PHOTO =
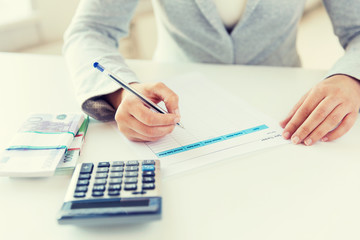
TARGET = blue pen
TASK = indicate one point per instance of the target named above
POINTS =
(127, 87)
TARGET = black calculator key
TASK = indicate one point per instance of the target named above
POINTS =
(99, 188)
(117, 169)
(84, 176)
(131, 174)
(148, 186)
(79, 194)
(130, 187)
(101, 175)
(102, 170)
(148, 162)
(148, 174)
(84, 182)
(132, 163)
(116, 175)
(148, 180)
(101, 181)
(131, 180)
(103, 164)
(115, 181)
(115, 187)
(86, 168)
(114, 193)
(132, 169)
(148, 168)
(97, 193)
(81, 189)
(118, 164)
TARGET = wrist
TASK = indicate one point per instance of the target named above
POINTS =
(114, 98)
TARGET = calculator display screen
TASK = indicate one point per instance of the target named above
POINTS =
(111, 204)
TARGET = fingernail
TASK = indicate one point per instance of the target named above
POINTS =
(324, 139)
(295, 140)
(308, 142)
(177, 120)
(286, 135)
(177, 112)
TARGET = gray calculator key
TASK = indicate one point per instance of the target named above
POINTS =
(148, 186)
(103, 164)
(79, 194)
(102, 170)
(132, 169)
(118, 164)
(84, 176)
(84, 182)
(99, 188)
(86, 168)
(81, 189)
(117, 169)
(131, 180)
(148, 162)
(148, 180)
(131, 174)
(97, 193)
(132, 163)
(101, 175)
(114, 193)
(116, 175)
(115, 181)
(115, 187)
(101, 181)
(130, 187)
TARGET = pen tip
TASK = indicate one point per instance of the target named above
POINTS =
(180, 125)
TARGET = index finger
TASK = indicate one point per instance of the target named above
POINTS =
(162, 93)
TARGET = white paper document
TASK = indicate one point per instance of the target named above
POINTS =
(218, 125)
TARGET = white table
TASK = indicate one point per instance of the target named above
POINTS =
(287, 192)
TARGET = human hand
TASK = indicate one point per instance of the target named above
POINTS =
(139, 123)
(326, 112)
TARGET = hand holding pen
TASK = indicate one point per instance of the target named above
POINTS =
(133, 103)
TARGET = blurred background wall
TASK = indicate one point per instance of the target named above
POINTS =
(37, 26)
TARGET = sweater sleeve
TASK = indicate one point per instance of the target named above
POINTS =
(93, 36)
(345, 17)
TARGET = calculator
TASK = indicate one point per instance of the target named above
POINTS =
(113, 192)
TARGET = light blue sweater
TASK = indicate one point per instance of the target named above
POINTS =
(192, 30)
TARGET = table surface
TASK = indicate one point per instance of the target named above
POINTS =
(285, 192)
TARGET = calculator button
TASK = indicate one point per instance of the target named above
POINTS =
(148, 162)
(116, 175)
(83, 182)
(86, 168)
(102, 170)
(132, 163)
(115, 187)
(79, 194)
(148, 168)
(148, 180)
(141, 192)
(81, 189)
(114, 193)
(97, 194)
(99, 188)
(118, 164)
(100, 181)
(130, 187)
(148, 174)
(117, 169)
(148, 186)
(132, 169)
(131, 180)
(101, 175)
(131, 174)
(103, 164)
(84, 176)
(115, 181)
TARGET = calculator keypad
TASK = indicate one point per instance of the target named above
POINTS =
(117, 178)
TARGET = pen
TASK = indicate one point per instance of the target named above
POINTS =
(127, 87)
